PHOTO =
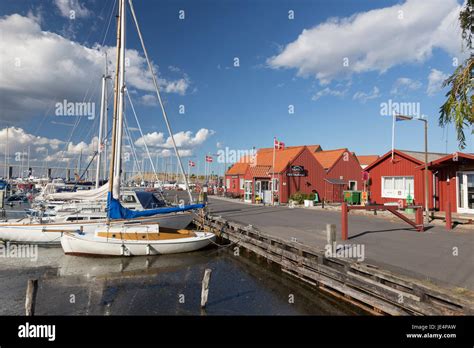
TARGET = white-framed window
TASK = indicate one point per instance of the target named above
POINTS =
(227, 183)
(352, 185)
(241, 184)
(276, 183)
(398, 186)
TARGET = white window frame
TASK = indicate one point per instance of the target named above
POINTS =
(394, 193)
(227, 183)
(354, 181)
(275, 182)
(241, 183)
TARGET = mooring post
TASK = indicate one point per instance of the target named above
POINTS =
(344, 220)
(331, 234)
(419, 219)
(449, 221)
(205, 287)
(30, 301)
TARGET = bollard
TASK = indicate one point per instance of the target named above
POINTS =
(449, 220)
(30, 302)
(331, 233)
(205, 287)
(344, 220)
(419, 219)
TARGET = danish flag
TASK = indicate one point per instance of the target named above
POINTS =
(191, 164)
(278, 144)
(208, 158)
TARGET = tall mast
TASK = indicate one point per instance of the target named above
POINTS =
(7, 172)
(106, 110)
(100, 141)
(114, 122)
(120, 104)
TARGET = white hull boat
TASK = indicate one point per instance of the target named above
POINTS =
(26, 231)
(138, 240)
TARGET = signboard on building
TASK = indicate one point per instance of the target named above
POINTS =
(297, 171)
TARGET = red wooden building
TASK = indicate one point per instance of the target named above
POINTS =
(296, 170)
(392, 180)
(454, 182)
(235, 179)
(343, 172)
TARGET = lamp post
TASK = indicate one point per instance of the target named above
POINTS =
(423, 119)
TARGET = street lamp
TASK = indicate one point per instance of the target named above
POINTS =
(423, 118)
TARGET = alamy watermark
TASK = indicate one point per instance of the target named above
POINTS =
(20, 251)
(228, 155)
(345, 251)
(66, 108)
(391, 108)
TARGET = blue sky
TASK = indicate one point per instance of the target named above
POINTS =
(281, 64)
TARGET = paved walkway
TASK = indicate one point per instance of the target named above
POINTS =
(395, 246)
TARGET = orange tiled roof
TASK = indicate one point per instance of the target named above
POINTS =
(312, 148)
(282, 157)
(328, 158)
(238, 168)
(367, 159)
(260, 171)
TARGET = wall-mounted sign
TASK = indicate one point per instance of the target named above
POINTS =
(297, 171)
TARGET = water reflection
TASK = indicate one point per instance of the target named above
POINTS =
(163, 285)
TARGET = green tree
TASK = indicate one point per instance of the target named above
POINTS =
(459, 105)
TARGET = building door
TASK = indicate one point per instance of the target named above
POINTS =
(248, 191)
(266, 191)
(465, 192)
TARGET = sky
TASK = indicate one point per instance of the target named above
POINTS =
(233, 75)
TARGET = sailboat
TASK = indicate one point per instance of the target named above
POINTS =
(44, 231)
(124, 239)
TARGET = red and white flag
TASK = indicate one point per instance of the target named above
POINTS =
(191, 164)
(208, 158)
(279, 145)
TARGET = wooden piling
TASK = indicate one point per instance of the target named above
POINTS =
(331, 233)
(449, 220)
(205, 287)
(344, 222)
(30, 302)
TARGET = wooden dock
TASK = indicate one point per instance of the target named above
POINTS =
(377, 291)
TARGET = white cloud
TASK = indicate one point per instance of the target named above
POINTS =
(19, 140)
(363, 96)
(404, 84)
(151, 139)
(328, 91)
(185, 141)
(69, 8)
(435, 81)
(30, 84)
(42, 148)
(375, 40)
(148, 99)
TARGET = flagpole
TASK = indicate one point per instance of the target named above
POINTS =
(393, 136)
(273, 170)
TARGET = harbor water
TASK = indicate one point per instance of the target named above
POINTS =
(159, 285)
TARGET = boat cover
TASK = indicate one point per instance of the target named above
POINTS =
(116, 211)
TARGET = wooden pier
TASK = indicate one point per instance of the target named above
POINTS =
(377, 291)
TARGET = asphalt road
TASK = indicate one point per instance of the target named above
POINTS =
(429, 255)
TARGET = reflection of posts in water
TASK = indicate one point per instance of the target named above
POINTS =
(205, 287)
(30, 302)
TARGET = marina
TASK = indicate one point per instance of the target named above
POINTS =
(197, 171)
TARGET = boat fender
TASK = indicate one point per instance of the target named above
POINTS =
(148, 249)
